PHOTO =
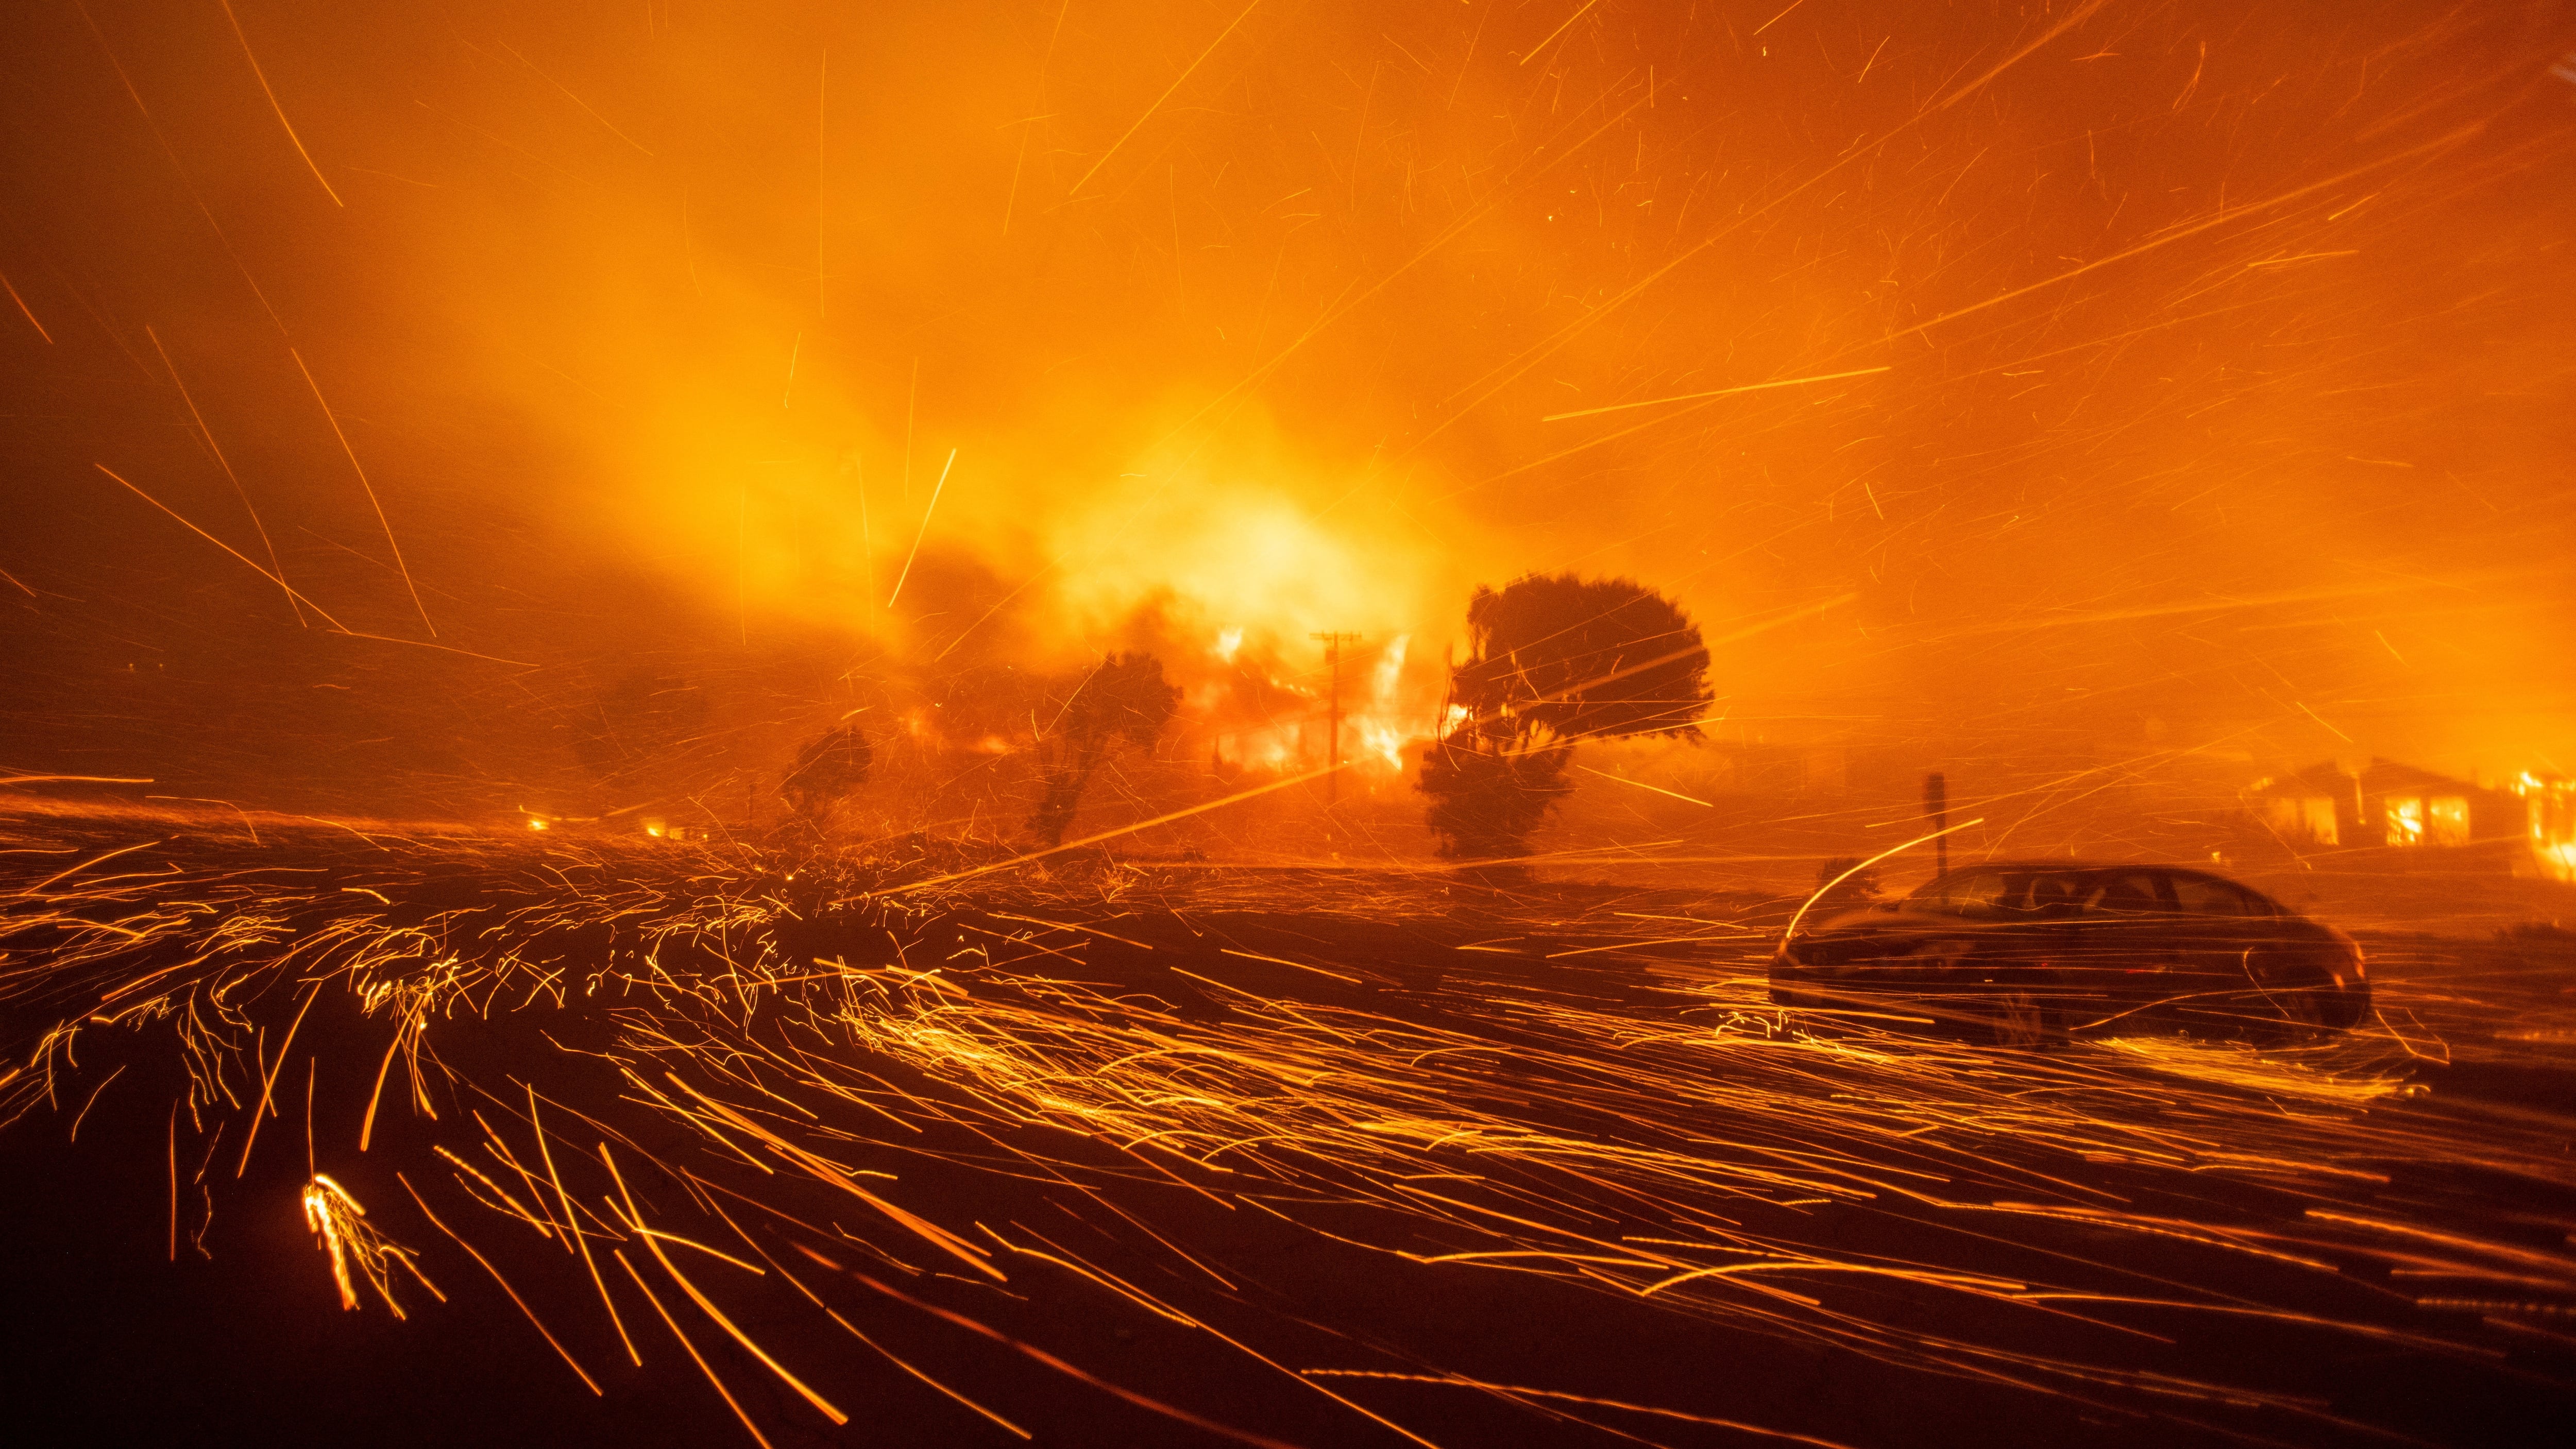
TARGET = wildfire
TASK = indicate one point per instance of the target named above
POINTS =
(2552, 803)
(1383, 710)
(1045, 586)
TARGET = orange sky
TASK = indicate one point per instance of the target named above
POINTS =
(2211, 370)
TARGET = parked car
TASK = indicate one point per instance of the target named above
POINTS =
(2030, 951)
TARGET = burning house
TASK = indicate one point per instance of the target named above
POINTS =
(2386, 805)
(2550, 805)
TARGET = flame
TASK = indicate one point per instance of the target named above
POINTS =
(1385, 705)
(2551, 807)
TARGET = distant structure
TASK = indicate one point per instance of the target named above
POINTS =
(2551, 805)
(2399, 807)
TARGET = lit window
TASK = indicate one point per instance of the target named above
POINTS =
(2309, 818)
(2552, 804)
(2447, 820)
(2406, 820)
(2319, 818)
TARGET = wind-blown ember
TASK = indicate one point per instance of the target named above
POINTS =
(816, 1093)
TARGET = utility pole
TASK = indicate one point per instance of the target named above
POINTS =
(1333, 659)
(1936, 806)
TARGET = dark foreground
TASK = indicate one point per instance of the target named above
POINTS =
(1144, 1155)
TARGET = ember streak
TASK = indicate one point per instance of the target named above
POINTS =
(1093, 722)
(659, 1094)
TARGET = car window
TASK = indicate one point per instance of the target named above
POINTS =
(2057, 891)
(2202, 896)
(1979, 894)
(2124, 893)
(1974, 893)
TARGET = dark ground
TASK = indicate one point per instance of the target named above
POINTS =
(109, 1342)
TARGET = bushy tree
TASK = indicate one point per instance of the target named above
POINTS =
(1486, 795)
(831, 767)
(1552, 660)
(1124, 699)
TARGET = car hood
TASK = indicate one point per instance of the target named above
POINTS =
(1875, 920)
(1866, 923)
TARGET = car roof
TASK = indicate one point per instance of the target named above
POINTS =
(2033, 867)
(2086, 867)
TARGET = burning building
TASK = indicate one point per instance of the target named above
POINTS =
(2386, 805)
(2551, 808)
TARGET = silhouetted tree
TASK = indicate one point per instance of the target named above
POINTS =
(1123, 699)
(831, 767)
(1553, 660)
(1861, 889)
(1486, 796)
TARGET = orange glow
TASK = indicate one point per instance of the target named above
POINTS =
(2552, 806)
(2132, 432)
(695, 354)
